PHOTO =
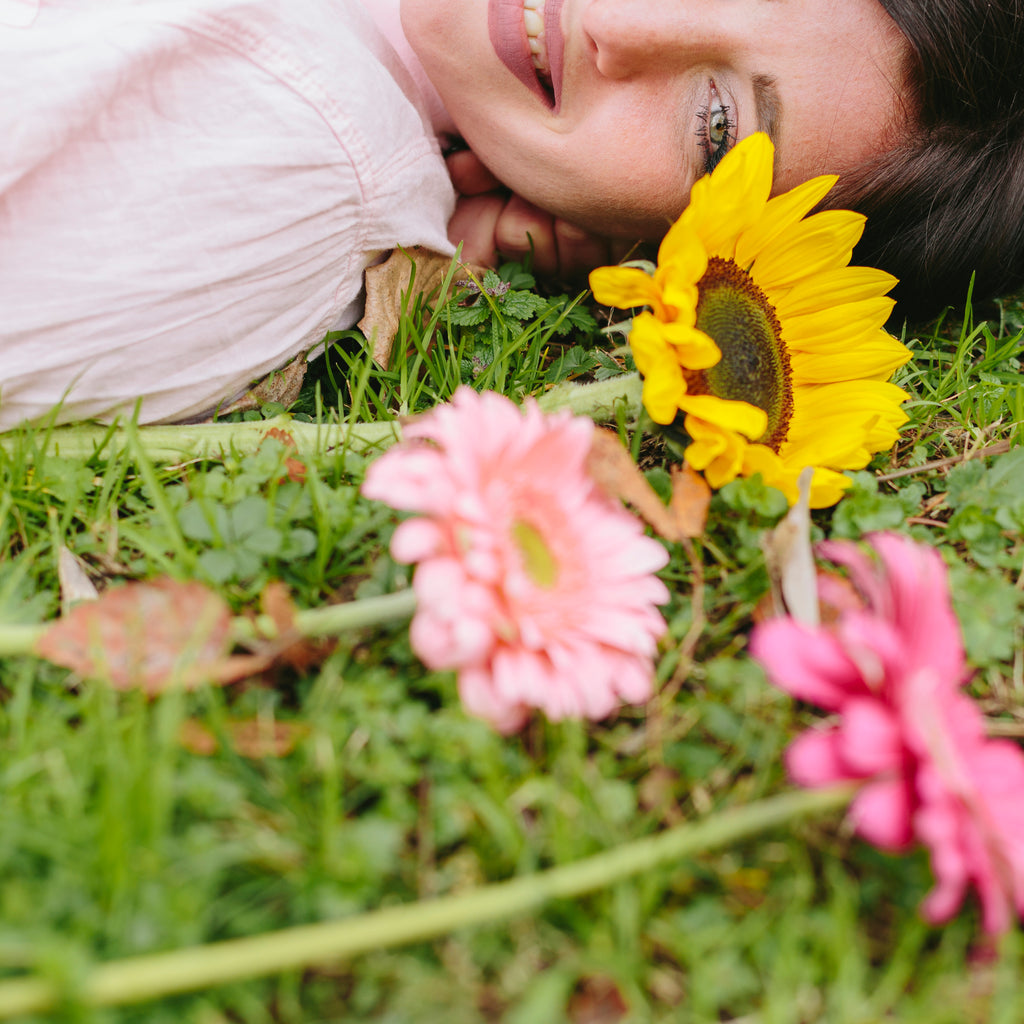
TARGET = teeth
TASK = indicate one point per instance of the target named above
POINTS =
(533, 18)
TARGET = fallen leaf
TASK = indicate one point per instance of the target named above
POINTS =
(690, 501)
(790, 560)
(282, 386)
(657, 793)
(146, 635)
(75, 585)
(597, 1000)
(289, 647)
(251, 738)
(276, 602)
(615, 472)
(296, 468)
(395, 285)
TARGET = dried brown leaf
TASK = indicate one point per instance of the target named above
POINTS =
(289, 647)
(691, 499)
(296, 468)
(790, 560)
(251, 738)
(393, 283)
(282, 386)
(598, 1000)
(75, 585)
(277, 603)
(615, 472)
(149, 635)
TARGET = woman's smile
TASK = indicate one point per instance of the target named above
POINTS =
(527, 37)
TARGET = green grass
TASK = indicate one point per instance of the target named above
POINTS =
(117, 840)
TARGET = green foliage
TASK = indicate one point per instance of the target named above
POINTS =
(867, 508)
(498, 334)
(116, 838)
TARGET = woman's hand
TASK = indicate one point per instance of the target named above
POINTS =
(490, 221)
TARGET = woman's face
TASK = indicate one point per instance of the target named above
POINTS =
(630, 101)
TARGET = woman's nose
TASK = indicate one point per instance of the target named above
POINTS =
(630, 37)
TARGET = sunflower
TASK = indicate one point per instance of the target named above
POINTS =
(760, 333)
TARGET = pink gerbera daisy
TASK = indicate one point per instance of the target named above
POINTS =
(892, 666)
(531, 583)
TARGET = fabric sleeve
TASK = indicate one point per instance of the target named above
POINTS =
(192, 194)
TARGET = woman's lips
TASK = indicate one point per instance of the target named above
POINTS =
(555, 47)
(506, 22)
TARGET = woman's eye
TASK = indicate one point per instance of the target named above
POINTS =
(715, 130)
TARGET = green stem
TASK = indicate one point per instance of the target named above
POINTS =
(597, 400)
(184, 443)
(214, 440)
(335, 619)
(186, 970)
(19, 640)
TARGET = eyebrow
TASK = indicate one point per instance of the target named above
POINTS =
(768, 106)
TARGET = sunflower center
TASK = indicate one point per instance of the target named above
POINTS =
(538, 561)
(754, 366)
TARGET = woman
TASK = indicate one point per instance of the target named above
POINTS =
(190, 190)
(920, 107)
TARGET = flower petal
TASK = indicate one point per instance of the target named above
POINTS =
(625, 288)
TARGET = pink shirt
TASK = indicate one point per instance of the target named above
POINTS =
(190, 191)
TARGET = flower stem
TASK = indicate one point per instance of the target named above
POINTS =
(597, 400)
(332, 619)
(185, 442)
(19, 640)
(164, 974)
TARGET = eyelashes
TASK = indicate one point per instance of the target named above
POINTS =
(716, 130)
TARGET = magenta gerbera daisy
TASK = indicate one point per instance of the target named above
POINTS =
(891, 666)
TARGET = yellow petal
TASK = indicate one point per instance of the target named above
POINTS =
(694, 349)
(726, 203)
(656, 360)
(779, 214)
(841, 425)
(742, 417)
(835, 329)
(625, 288)
(717, 453)
(834, 288)
(820, 243)
(827, 487)
(877, 359)
(840, 399)
(680, 298)
(682, 255)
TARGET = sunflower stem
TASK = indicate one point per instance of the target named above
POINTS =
(597, 400)
(186, 970)
(185, 442)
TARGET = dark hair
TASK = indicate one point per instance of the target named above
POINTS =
(948, 200)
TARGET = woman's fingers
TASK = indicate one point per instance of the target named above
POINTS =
(523, 227)
(490, 224)
(468, 174)
(473, 225)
